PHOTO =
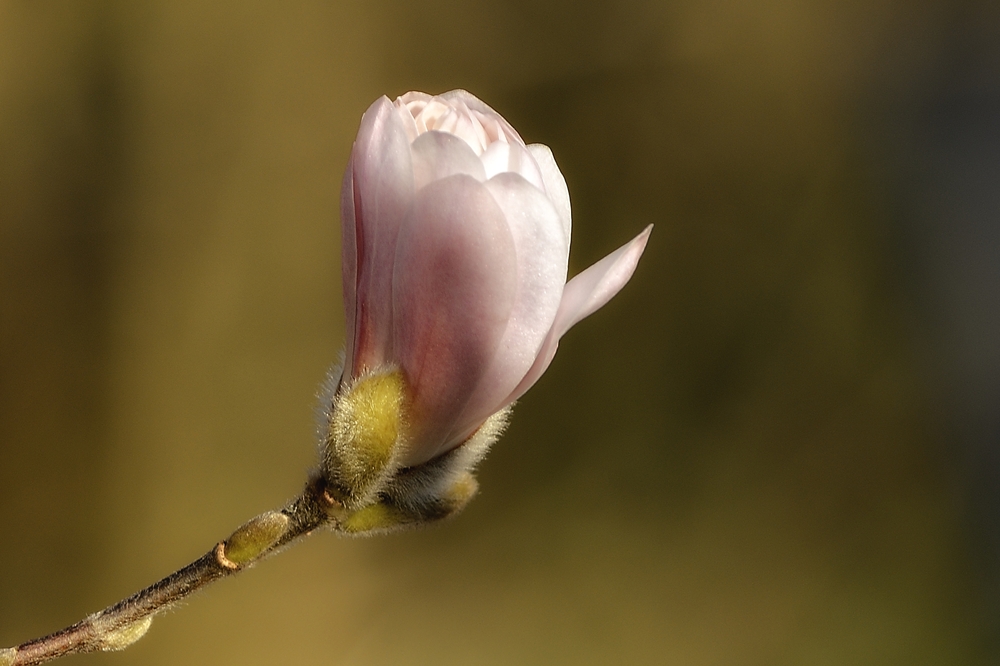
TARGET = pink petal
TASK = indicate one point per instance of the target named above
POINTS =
(437, 155)
(409, 124)
(501, 157)
(465, 124)
(542, 251)
(453, 290)
(496, 158)
(476, 104)
(584, 295)
(555, 184)
(382, 196)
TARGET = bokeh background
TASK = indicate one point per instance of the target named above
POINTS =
(780, 444)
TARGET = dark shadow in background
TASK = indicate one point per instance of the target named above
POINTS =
(939, 138)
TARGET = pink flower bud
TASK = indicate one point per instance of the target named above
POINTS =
(456, 241)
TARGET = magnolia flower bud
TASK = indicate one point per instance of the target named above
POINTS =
(455, 247)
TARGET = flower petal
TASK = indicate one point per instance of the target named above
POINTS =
(555, 184)
(475, 104)
(382, 196)
(496, 158)
(584, 295)
(542, 252)
(501, 157)
(454, 287)
(437, 155)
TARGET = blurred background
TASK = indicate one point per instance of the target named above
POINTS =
(780, 444)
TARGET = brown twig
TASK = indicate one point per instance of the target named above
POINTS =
(118, 626)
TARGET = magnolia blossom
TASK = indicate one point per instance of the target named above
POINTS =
(456, 239)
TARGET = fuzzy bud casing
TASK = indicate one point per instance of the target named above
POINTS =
(364, 436)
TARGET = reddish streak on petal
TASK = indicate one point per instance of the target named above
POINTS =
(453, 291)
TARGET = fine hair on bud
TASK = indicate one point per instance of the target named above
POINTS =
(120, 638)
(325, 398)
(254, 538)
(364, 436)
(434, 490)
(443, 486)
(386, 516)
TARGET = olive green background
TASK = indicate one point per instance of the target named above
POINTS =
(738, 461)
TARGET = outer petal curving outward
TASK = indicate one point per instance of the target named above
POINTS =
(584, 295)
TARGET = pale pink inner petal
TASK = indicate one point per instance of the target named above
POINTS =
(555, 184)
(502, 157)
(584, 295)
(437, 155)
(471, 129)
(521, 162)
(496, 159)
(542, 254)
(494, 131)
(454, 287)
(480, 107)
(409, 124)
(383, 194)
(446, 122)
(460, 123)
(414, 98)
(428, 114)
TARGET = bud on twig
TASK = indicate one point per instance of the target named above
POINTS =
(122, 637)
(252, 539)
(364, 438)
